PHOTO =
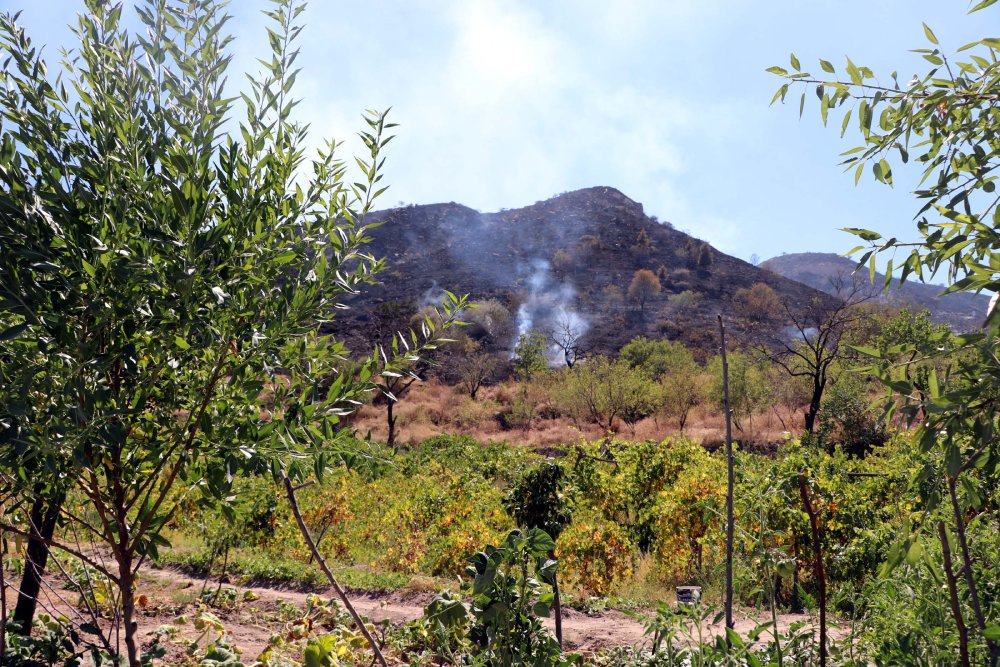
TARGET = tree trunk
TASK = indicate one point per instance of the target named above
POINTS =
(556, 601)
(956, 607)
(814, 403)
(390, 439)
(126, 585)
(968, 570)
(817, 567)
(304, 530)
(43, 518)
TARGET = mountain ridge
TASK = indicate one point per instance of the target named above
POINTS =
(962, 311)
(571, 255)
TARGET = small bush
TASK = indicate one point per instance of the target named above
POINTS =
(595, 556)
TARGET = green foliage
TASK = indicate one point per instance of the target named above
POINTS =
(947, 117)
(167, 266)
(603, 391)
(54, 642)
(596, 556)
(673, 366)
(624, 480)
(511, 588)
(848, 419)
(748, 386)
(530, 354)
(539, 499)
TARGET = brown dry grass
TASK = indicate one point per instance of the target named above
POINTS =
(432, 408)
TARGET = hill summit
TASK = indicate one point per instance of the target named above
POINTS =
(566, 261)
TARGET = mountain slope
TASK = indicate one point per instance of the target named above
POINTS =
(962, 311)
(569, 258)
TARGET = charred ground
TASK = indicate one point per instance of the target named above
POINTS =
(573, 255)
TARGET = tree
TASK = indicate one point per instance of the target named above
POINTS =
(673, 367)
(757, 305)
(644, 286)
(947, 116)
(475, 367)
(604, 391)
(540, 499)
(529, 354)
(160, 278)
(565, 335)
(747, 387)
(704, 256)
(819, 341)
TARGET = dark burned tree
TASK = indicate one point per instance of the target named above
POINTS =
(566, 334)
(815, 340)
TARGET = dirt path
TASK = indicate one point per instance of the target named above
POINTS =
(581, 631)
(251, 624)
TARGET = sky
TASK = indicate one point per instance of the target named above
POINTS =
(504, 103)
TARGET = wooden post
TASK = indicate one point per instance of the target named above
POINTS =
(730, 516)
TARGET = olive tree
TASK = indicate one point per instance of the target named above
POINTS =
(945, 121)
(164, 276)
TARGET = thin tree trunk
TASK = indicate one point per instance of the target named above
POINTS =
(730, 516)
(290, 494)
(956, 607)
(390, 439)
(556, 601)
(43, 517)
(126, 584)
(968, 570)
(3, 598)
(817, 567)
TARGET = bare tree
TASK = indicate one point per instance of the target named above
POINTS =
(814, 341)
(565, 334)
(474, 367)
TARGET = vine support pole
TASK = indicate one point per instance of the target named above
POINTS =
(290, 494)
(730, 515)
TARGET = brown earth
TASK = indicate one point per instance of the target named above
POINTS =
(170, 594)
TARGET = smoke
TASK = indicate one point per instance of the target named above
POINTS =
(432, 296)
(549, 307)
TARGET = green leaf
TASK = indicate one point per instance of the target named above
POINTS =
(795, 63)
(827, 66)
(992, 632)
(780, 71)
(982, 5)
(181, 343)
(865, 234)
(930, 33)
(914, 553)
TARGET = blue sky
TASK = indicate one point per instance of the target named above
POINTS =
(503, 103)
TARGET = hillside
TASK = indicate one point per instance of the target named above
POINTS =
(962, 311)
(569, 259)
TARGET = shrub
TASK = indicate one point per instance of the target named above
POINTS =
(595, 555)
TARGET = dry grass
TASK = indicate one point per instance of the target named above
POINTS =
(433, 408)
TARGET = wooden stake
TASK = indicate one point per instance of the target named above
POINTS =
(730, 516)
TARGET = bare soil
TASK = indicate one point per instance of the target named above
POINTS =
(169, 594)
